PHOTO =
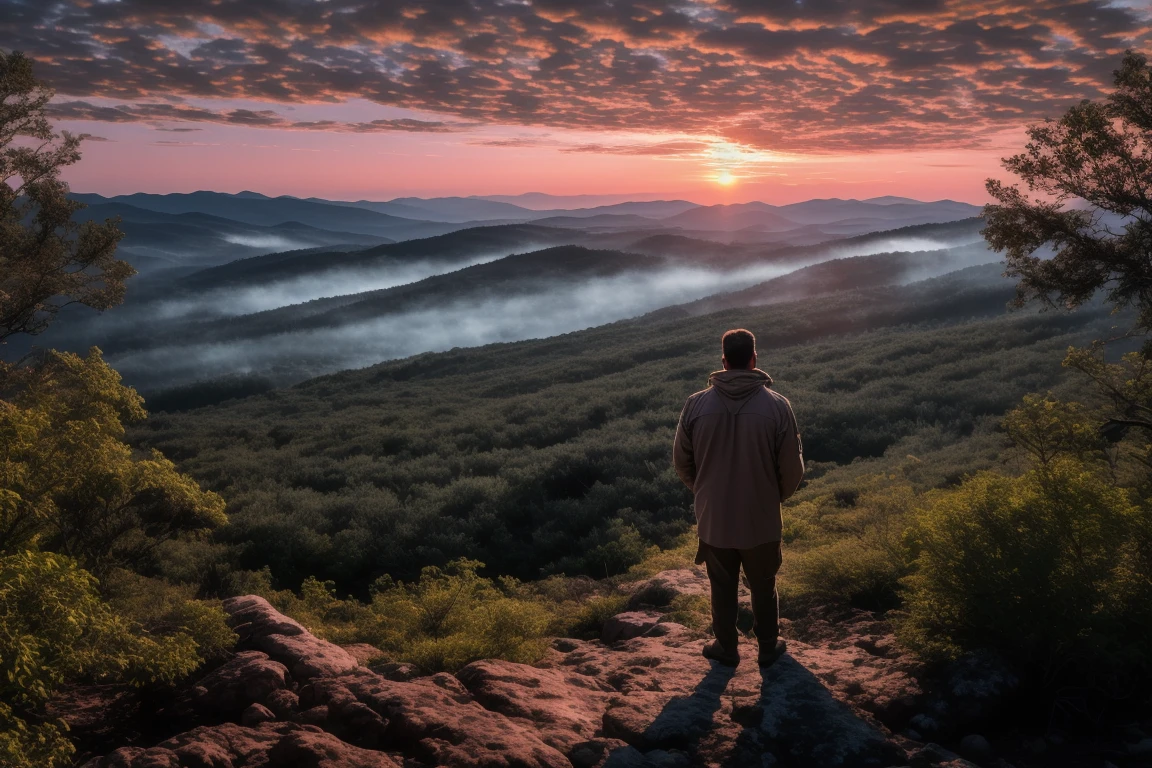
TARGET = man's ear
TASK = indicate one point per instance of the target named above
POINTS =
(724, 362)
(752, 363)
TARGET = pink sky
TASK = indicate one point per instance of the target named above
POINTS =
(709, 100)
(381, 166)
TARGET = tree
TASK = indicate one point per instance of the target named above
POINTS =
(47, 260)
(1099, 153)
(73, 496)
(1051, 569)
(68, 482)
(1093, 168)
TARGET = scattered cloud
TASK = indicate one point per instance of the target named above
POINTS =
(820, 75)
(512, 142)
(659, 149)
(183, 144)
(94, 137)
(157, 113)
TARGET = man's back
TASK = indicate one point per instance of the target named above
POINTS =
(738, 449)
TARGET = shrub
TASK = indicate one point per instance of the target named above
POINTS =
(587, 621)
(55, 628)
(1050, 568)
(447, 618)
(859, 553)
(71, 484)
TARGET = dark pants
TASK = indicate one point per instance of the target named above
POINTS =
(760, 566)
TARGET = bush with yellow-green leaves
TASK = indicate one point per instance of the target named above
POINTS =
(1053, 568)
(75, 502)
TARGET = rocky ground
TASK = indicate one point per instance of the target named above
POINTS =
(643, 696)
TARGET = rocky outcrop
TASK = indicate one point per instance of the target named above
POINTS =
(270, 745)
(647, 698)
(263, 628)
(625, 626)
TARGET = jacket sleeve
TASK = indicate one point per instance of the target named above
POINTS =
(789, 454)
(682, 458)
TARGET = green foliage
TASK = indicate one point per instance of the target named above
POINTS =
(1048, 428)
(55, 628)
(1099, 153)
(588, 619)
(69, 483)
(1126, 386)
(210, 392)
(447, 618)
(32, 745)
(852, 549)
(1051, 568)
(163, 609)
(692, 611)
(553, 456)
(72, 494)
(46, 260)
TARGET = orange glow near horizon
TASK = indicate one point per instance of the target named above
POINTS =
(506, 160)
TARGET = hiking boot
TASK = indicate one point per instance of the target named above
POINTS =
(768, 656)
(716, 652)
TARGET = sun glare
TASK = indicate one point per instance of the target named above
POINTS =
(725, 178)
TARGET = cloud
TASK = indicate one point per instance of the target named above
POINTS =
(155, 113)
(659, 149)
(513, 142)
(797, 76)
(93, 137)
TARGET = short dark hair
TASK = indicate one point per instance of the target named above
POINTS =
(738, 347)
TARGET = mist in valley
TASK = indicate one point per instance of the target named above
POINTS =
(536, 311)
(242, 300)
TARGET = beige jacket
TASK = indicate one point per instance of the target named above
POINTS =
(738, 450)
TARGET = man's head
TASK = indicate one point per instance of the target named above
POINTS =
(738, 348)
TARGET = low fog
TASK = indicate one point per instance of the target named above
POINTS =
(244, 300)
(559, 307)
(273, 242)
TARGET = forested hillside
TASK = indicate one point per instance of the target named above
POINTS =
(553, 456)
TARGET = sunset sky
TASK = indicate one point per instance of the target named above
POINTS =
(709, 100)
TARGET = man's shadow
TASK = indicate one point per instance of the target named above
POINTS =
(795, 717)
(685, 720)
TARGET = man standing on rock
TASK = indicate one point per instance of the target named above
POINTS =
(738, 450)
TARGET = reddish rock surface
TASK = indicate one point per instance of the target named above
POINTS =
(271, 745)
(625, 626)
(262, 627)
(248, 678)
(651, 701)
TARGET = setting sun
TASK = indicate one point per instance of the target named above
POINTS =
(725, 178)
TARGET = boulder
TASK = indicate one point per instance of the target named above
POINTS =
(563, 707)
(270, 745)
(252, 615)
(437, 728)
(625, 626)
(650, 700)
(249, 677)
(262, 627)
(282, 703)
(256, 714)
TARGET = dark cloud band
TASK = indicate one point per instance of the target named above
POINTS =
(157, 114)
(804, 75)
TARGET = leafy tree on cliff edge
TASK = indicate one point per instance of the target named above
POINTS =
(46, 260)
(1092, 169)
(75, 503)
